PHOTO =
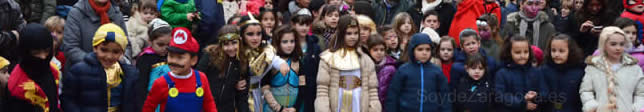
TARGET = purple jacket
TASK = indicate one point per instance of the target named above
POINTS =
(386, 70)
(637, 52)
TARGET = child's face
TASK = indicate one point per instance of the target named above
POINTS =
(180, 63)
(253, 35)
(268, 21)
(301, 29)
(231, 48)
(520, 52)
(579, 4)
(108, 53)
(377, 52)
(431, 21)
(332, 18)
(559, 51)
(446, 51)
(476, 72)
(40, 53)
(148, 15)
(422, 53)
(352, 36)
(595, 6)
(287, 44)
(471, 45)
(160, 45)
(268, 4)
(631, 33)
(335, 2)
(615, 45)
(58, 36)
(565, 12)
(406, 27)
(365, 32)
(391, 39)
(638, 8)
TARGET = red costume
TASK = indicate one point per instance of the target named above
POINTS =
(24, 88)
(160, 92)
(467, 13)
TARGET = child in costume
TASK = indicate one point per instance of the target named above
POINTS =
(182, 89)
(33, 85)
(100, 81)
(152, 60)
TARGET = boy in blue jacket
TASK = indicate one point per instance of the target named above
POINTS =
(418, 76)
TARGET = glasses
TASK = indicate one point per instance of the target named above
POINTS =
(253, 33)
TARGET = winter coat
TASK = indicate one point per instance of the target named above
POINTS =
(458, 68)
(37, 10)
(223, 83)
(385, 13)
(310, 72)
(474, 95)
(415, 77)
(45, 86)
(386, 70)
(546, 29)
(445, 11)
(492, 47)
(85, 87)
(563, 83)
(328, 81)
(467, 13)
(137, 34)
(80, 26)
(512, 83)
(629, 85)
(212, 19)
(8, 41)
(175, 13)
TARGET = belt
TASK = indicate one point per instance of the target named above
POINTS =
(350, 82)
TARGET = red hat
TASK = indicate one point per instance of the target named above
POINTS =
(538, 53)
(182, 41)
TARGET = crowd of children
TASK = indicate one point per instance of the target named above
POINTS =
(322, 56)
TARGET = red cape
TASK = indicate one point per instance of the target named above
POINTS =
(467, 13)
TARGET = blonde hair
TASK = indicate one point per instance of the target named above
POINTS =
(54, 23)
(606, 33)
(365, 21)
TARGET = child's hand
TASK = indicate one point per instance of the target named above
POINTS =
(190, 16)
(531, 106)
(586, 26)
(241, 85)
(530, 95)
(289, 110)
(284, 68)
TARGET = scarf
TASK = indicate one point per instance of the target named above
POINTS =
(430, 6)
(523, 26)
(101, 10)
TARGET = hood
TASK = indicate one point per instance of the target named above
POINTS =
(35, 37)
(86, 9)
(417, 39)
(460, 56)
(599, 60)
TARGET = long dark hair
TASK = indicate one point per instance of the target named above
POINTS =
(575, 54)
(344, 23)
(218, 57)
(506, 51)
(277, 38)
(243, 28)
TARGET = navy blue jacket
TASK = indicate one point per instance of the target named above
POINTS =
(511, 84)
(309, 67)
(458, 68)
(563, 83)
(85, 87)
(415, 77)
(474, 95)
(212, 19)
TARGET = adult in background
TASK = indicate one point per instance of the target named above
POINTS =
(468, 11)
(531, 23)
(37, 10)
(589, 22)
(82, 22)
(11, 23)
(387, 9)
(444, 9)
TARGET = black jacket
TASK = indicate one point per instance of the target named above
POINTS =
(85, 87)
(445, 12)
(144, 64)
(474, 96)
(227, 97)
(309, 68)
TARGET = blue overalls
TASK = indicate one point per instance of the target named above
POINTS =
(184, 102)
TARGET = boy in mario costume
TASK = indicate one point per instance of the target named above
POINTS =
(182, 89)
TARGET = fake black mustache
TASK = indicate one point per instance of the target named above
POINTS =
(175, 65)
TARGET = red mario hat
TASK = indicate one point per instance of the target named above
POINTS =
(182, 41)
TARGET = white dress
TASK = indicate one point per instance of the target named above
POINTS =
(355, 102)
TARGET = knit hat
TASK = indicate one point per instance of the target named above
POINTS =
(111, 33)
(158, 23)
(182, 41)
